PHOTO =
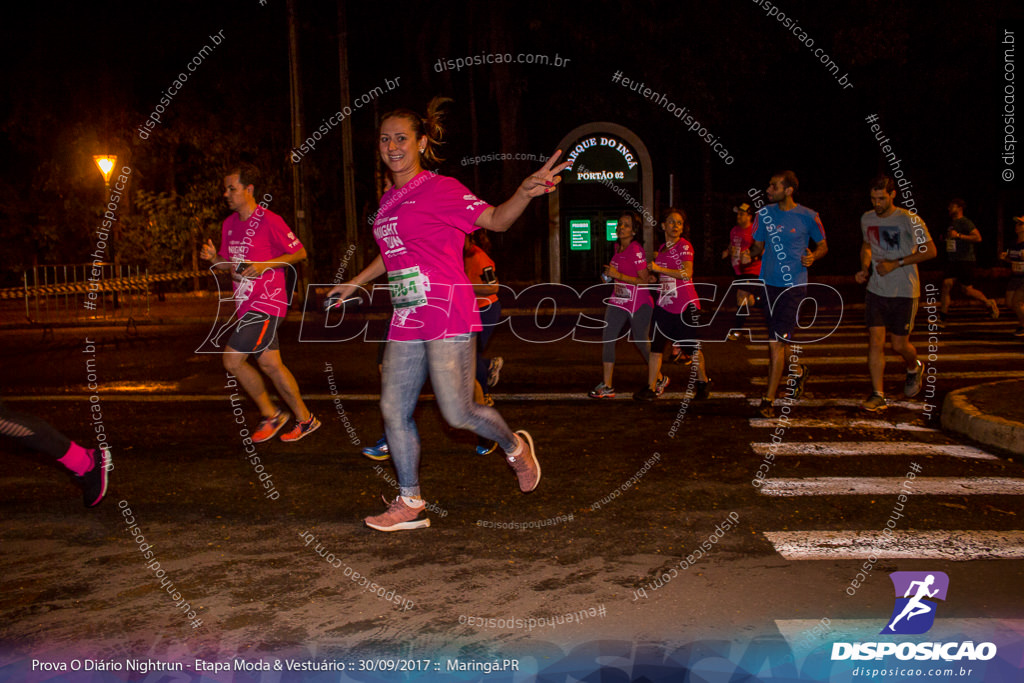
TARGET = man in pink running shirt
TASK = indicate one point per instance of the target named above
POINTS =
(257, 247)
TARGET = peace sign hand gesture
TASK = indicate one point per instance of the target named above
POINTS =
(545, 179)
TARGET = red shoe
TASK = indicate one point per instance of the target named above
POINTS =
(301, 429)
(270, 426)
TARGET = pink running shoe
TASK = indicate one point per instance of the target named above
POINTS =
(525, 465)
(399, 517)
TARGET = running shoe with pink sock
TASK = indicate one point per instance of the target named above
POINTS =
(94, 482)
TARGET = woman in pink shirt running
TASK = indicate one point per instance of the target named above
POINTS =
(420, 228)
(630, 303)
(677, 311)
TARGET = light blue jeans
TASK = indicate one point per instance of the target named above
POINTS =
(450, 364)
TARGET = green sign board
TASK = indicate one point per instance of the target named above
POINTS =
(579, 235)
(611, 225)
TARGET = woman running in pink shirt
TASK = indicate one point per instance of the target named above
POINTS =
(677, 313)
(420, 228)
(630, 302)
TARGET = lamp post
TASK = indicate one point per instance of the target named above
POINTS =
(105, 162)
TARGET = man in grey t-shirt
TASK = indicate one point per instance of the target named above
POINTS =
(894, 242)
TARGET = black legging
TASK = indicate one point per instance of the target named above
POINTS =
(34, 432)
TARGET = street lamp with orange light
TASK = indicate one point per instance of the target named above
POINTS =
(105, 162)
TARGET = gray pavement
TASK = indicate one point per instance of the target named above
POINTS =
(611, 529)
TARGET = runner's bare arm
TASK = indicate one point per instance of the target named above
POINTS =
(919, 255)
(640, 279)
(865, 264)
(820, 249)
(209, 253)
(485, 290)
(972, 236)
(500, 218)
(367, 275)
(684, 273)
(257, 269)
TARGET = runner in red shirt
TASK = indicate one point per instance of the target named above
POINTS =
(745, 266)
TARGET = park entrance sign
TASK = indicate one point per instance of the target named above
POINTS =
(609, 173)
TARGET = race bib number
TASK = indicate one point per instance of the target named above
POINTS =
(668, 287)
(408, 288)
(950, 246)
(623, 293)
(1018, 267)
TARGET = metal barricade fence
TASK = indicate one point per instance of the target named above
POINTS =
(77, 293)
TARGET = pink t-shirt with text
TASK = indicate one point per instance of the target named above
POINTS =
(421, 228)
(675, 294)
(264, 236)
(630, 261)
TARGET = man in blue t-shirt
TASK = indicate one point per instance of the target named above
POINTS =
(783, 232)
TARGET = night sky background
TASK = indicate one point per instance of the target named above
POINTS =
(81, 77)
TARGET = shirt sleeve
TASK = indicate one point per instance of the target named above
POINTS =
(917, 227)
(817, 229)
(455, 205)
(686, 253)
(639, 259)
(758, 234)
(281, 236)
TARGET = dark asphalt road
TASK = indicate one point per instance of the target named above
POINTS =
(621, 505)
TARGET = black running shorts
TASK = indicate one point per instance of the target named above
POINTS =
(895, 313)
(255, 333)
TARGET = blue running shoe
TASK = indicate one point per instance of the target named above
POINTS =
(379, 451)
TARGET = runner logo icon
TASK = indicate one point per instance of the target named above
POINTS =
(916, 593)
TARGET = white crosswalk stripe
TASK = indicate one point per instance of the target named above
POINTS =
(862, 359)
(834, 344)
(841, 423)
(818, 379)
(958, 545)
(826, 436)
(887, 486)
(869, 449)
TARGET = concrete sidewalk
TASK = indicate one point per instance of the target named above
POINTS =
(991, 413)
